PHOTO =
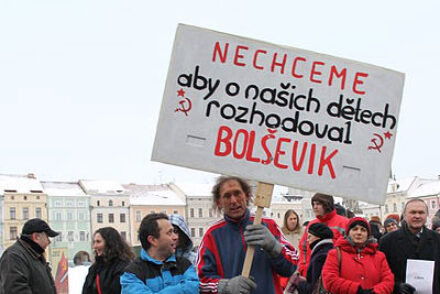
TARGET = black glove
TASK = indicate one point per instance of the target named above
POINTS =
(406, 288)
(365, 291)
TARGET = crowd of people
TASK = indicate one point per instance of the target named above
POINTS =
(334, 253)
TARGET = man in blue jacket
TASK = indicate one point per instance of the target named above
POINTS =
(223, 248)
(158, 270)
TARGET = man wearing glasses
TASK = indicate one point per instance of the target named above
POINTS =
(23, 268)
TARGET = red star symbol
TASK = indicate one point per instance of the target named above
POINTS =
(181, 93)
(388, 135)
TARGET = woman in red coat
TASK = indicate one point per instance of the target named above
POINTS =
(362, 269)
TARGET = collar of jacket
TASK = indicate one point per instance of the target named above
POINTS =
(244, 218)
(346, 244)
(33, 248)
(327, 217)
(146, 257)
(320, 243)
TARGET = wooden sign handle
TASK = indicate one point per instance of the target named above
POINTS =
(262, 200)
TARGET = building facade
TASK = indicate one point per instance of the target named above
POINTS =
(69, 214)
(146, 199)
(109, 206)
(23, 199)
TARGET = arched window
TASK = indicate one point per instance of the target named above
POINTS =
(110, 203)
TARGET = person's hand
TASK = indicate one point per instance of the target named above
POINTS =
(406, 288)
(259, 235)
(236, 285)
(364, 291)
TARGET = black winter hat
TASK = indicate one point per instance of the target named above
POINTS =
(320, 230)
(37, 225)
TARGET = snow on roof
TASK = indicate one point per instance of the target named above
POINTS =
(62, 189)
(20, 184)
(402, 185)
(426, 188)
(94, 187)
(195, 190)
(153, 195)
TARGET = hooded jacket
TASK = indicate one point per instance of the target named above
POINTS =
(222, 253)
(335, 222)
(317, 260)
(364, 267)
(186, 252)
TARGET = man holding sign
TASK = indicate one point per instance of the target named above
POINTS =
(412, 244)
(223, 248)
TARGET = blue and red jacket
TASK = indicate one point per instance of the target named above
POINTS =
(223, 249)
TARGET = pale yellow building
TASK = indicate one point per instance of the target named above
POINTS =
(146, 199)
(23, 198)
(109, 206)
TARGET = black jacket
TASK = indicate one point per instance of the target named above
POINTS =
(400, 245)
(109, 274)
(317, 260)
(24, 271)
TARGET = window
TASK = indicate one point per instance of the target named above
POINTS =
(25, 212)
(12, 197)
(200, 232)
(59, 238)
(386, 208)
(124, 235)
(111, 218)
(69, 203)
(12, 215)
(25, 198)
(123, 203)
(98, 203)
(433, 204)
(210, 212)
(122, 217)
(69, 216)
(138, 216)
(193, 232)
(82, 236)
(70, 237)
(58, 216)
(200, 212)
(191, 212)
(278, 215)
(38, 212)
(38, 197)
(13, 233)
(81, 204)
(57, 203)
(81, 216)
(175, 212)
(99, 218)
(110, 203)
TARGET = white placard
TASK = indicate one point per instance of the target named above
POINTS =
(420, 274)
(278, 115)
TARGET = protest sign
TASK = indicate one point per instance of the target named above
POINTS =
(277, 114)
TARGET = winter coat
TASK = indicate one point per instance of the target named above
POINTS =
(186, 252)
(24, 271)
(147, 275)
(335, 222)
(293, 236)
(398, 247)
(109, 274)
(366, 268)
(317, 260)
(223, 249)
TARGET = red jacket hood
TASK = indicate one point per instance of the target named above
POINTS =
(344, 244)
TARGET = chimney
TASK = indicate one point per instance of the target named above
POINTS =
(31, 176)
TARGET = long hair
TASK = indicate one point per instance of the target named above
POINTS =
(115, 246)
(297, 228)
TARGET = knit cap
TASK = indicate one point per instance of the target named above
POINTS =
(358, 221)
(321, 231)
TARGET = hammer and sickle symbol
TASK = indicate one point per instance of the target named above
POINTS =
(183, 104)
(376, 145)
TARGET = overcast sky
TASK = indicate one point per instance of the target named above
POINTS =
(81, 82)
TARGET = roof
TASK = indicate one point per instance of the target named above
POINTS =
(62, 189)
(20, 184)
(95, 187)
(426, 188)
(153, 195)
(196, 190)
(401, 185)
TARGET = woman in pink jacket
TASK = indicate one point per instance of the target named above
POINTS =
(361, 268)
